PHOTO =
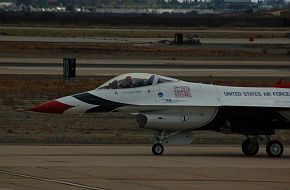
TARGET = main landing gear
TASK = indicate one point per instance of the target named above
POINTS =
(274, 148)
(250, 146)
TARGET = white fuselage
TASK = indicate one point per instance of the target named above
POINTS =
(196, 94)
(190, 105)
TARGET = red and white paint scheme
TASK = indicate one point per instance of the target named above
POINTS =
(174, 108)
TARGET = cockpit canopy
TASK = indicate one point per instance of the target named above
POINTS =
(134, 80)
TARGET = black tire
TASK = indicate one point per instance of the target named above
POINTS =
(157, 149)
(274, 148)
(250, 148)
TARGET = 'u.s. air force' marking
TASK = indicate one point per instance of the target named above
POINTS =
(237, 93)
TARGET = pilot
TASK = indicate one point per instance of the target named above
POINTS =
(127, 82)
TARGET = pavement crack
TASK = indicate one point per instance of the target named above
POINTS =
(51, 180)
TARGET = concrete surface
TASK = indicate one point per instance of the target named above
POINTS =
(241, 62)
(166, 72)
(163, 67)
(134, 167)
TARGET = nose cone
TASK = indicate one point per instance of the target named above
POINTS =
(51, 107)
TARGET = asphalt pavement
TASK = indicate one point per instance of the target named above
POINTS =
(134, 167)
(162, 67)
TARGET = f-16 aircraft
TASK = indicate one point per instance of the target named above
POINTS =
(173, 109)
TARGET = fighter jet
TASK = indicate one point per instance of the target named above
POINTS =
(173, 109)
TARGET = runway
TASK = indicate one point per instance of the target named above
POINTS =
(134, 167)
(162, 67)
(281, 41)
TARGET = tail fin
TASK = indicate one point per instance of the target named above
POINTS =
(282, 84)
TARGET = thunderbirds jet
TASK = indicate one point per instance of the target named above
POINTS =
(174, 108)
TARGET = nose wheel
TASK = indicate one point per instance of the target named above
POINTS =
(157, 149)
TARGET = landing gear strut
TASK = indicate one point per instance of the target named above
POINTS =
(161, 137)
(250, 146)
(158, 148)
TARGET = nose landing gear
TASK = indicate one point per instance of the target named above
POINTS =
(169, 137)
(157, 149)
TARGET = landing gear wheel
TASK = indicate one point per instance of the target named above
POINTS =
(274, 148)
(157, 149)
(250, 148)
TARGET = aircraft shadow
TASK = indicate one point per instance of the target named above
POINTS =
(225, 155)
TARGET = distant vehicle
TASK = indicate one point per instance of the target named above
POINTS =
(180, 40)
(193, 41)
(174, 108)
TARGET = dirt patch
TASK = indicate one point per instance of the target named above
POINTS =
(119, 50)
(139, 32)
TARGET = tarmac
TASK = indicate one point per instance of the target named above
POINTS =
(163, 67)
(28, 167)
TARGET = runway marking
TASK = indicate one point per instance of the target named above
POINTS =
(51, 180)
